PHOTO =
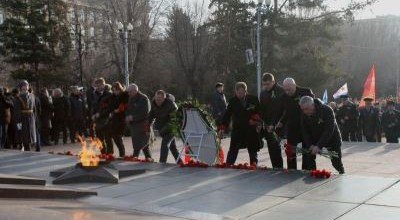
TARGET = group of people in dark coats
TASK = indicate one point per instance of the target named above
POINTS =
(114, 112)
(104, 111)
(370, 121)
(281, 111)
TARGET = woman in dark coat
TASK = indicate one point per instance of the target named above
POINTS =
(241, 110)
(61, 114)
(137, 117)
(118, 104)
(24, 115)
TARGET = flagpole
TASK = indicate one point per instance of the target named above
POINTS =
(397, 73)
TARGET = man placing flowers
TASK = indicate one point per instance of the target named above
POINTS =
(319, 130)
(243, 110)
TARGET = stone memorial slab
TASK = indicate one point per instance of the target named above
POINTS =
(305, 210)
(280, 184)
(389, 197)
(371, 212)
(353, 189)
(41, 192)
(20, 180)
(229, 204)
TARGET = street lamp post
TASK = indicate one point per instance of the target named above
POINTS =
(125, 29)
(259, 13)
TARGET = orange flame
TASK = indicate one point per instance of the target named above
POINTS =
(90, 151)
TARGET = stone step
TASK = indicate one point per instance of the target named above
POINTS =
(41, 192)
(20, 180)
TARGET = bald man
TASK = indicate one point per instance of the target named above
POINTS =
(292, 115)
(320, 130)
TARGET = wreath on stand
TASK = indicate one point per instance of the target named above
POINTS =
(176, 121)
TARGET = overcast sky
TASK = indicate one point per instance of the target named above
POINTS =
(382, 7)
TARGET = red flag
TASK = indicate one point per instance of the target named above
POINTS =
(369, 86)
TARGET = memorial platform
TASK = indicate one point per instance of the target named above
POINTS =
(370, 189)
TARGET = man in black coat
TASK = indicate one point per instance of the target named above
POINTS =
(391, 122)
(100, 114)
(78, 111)
(245, 134)
(218, 103)
(320, 130)
(271, 108)
(347, 116)
(162, 108)
(291, 117)
(61, 114)
(370, 121)
(45, 116)
(5, 117)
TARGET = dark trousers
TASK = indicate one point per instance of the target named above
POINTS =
(146, 152)
(120, 144)
(38, 143)
(234, 151)
(349, 135)
(370, 138)
(293, 133)
(76, 127)
(57, 128)
(106, 141)
(274, 150)
(168, 143)
(310, 164)
(392, 138)
(3, 134)
(45, 135)
(292, 158)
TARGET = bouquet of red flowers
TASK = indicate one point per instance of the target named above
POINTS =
(255, 119)
(240, 166)
(321, 174)
(107, 157)
(136, 159)
(67, 153)
(290, 152)
(193, 163)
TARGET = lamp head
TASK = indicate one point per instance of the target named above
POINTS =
(120, 26)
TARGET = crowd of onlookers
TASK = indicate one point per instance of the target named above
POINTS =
(373, 120)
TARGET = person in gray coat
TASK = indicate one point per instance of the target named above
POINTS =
(24, 113)
(137, 118)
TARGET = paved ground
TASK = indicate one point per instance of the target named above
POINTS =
(359, 158)
(369, 190)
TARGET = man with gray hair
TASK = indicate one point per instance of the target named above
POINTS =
(291, 117)
(319, 130)
(137, 118)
